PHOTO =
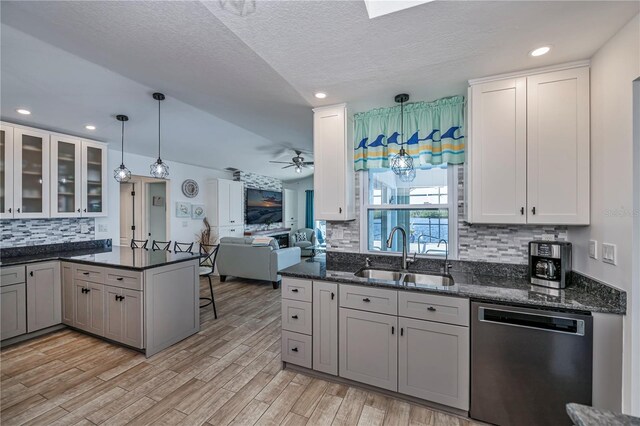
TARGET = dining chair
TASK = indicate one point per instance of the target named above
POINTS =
(182, 247)
(161, 245)
(139, 243)
(208, 254)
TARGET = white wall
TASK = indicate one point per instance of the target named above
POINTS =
(613, 68)
(180, 229)
(300, 186)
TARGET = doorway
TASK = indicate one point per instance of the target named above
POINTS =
(143, 210)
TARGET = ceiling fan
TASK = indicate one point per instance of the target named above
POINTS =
(297, 162)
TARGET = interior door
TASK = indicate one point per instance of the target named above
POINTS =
(31, 185)
(558, 147)
(6, 172)
(66, 172)
(498, 152)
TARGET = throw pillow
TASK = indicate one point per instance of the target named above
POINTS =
(301, 236)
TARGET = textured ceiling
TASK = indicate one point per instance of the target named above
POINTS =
(239, 87)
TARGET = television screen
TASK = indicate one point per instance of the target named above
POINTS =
(263, 207)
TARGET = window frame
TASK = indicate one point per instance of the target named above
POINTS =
(451, 206)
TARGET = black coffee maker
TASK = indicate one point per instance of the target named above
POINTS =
(550, 263)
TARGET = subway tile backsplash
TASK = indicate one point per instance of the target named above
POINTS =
(30, 232)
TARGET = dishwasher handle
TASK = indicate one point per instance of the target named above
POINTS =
(550, 323)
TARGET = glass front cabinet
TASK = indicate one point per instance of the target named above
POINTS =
(50, 175)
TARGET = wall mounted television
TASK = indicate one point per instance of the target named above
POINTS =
(263, 207)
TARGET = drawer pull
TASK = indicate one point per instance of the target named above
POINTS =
(402, 331)
(294, 290)
(119, 298)
(431, 308)
(86, 290)
(85, 273)
(294, 349)
(366, 299)
(120, 278)
(294, 316)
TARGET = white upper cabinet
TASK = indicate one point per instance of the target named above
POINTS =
(497, 188)
(558, 147)
(6, 172)
(290, 206)
(528, 150)
(334, 195)
(31, 173)
(225, 200)
(66, 172)
(94, 179)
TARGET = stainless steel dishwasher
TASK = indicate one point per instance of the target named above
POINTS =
(526, 364)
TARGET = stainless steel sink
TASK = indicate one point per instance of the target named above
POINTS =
(428, 279)
(379, 274)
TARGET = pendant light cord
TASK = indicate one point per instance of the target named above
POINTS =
(122, 149)
(402, 124)
(159, 128)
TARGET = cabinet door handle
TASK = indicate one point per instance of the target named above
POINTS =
(120, 278)
(522, 210)
(294, 290)
(366, 299)
(402, 331)
(393, 330)
(339, 209)
(294, 349)
(85, 210)
(332, 295)
(85, 273)
(30, 273)
(18, 210)
(9, 209)
(294, 316)
(88, 290)
(431, 308)
(533, 210)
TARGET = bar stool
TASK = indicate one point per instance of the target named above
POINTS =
(207, 265)
(139, 244)
(161, 245)
(182, 247)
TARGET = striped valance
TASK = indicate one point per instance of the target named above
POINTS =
(434, 134)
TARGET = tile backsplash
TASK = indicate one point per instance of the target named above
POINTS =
(485, 243)
(30, 232)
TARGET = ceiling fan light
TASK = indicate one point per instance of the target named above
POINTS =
(298, 169)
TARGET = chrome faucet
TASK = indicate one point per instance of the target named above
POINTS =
(447, 265)
(405, 261)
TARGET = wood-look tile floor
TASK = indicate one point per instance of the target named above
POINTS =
(229, 373)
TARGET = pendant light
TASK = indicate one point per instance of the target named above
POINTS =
(122, 174)
(402, 162)
(159, 169)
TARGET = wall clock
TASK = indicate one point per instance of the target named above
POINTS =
(190, 188)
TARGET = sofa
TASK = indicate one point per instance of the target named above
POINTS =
(238, 257)
(305, 245)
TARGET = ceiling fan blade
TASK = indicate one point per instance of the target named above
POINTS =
(281, 162)
(290, 165)
(308, 163)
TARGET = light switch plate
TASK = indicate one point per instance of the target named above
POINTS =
(609, 253)
(593, 249)
(102, 227)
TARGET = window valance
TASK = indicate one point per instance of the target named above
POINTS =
(434, 134)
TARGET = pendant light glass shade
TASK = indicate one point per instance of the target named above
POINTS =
(402, 162)
(122, 174)
(159, 169)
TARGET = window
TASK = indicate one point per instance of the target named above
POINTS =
(424, 208)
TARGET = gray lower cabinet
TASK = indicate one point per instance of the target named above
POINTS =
(68, 304)
(369, 348)
(13, 310)
(123, 316)
(325, 327)
(89, 306)
(44, 294)
(433, 362)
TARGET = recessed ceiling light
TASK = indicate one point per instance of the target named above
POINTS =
(90, 127)
(320, 95)
(540, 51)
(23, 111)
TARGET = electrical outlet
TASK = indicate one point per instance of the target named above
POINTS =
(548, 237)
(609, 253)
(593, 249)
(102, 227)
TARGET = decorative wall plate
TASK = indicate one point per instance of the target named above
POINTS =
(190, 188)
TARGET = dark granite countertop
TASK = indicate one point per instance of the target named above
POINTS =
(583, 415)
(113, 257)
(501, 289)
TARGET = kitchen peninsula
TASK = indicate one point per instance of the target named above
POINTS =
(145, 299)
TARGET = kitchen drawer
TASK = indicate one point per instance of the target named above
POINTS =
(296, 316)
(369, 299)
(295, 289)
(93, 274)
(296, 348)
(124, 279)
(445, 309)
(11, 275)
